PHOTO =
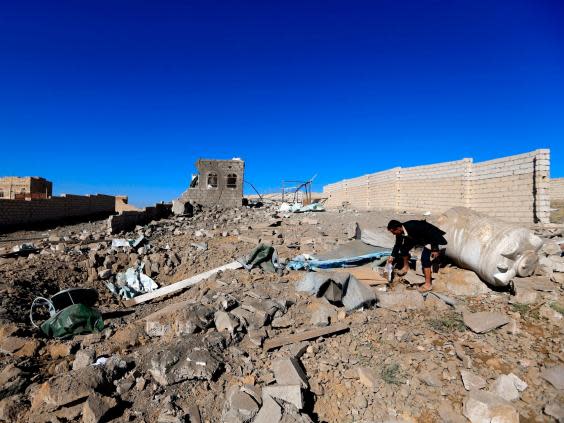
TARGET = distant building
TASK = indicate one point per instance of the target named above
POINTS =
(218, 183)
(26, 187)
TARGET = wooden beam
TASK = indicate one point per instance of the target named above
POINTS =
(178, 286)
(277, 342)
(364, 274)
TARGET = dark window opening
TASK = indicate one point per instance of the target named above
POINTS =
(232, 181)
(212, 180)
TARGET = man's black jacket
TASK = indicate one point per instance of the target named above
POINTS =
(419, 232)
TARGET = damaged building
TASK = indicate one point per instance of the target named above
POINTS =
(217, 183)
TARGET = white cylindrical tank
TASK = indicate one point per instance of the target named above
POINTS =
(495, 250)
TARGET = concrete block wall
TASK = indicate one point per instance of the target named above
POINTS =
(557, 189)
(20, 214)
(514, 188)
(127, 220)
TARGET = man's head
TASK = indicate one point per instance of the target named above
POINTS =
(395, 227)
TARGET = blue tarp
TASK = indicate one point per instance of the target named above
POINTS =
(311, 263)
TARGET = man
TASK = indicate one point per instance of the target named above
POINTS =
(416, 233)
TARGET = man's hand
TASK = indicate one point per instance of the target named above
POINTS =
(434, 255)
(391, 259)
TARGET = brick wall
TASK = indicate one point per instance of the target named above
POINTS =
(557, 189)
(19, 214)
(514, 188)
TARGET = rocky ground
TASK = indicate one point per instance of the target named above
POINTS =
(199, 356)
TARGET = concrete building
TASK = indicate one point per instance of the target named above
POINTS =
(218, 182)
(26, 187)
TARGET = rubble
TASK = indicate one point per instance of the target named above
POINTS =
(217, 341)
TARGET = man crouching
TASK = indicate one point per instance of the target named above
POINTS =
(411, 234)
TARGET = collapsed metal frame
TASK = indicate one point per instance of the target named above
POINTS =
(303, 186)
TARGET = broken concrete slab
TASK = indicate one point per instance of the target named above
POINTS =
(270, 412)
(485, 407)
(472, 381)
(304, 336)
(68, 388)
(96, 407)
(188, 359)
(368, 377)
(225, 322)
(508, 387)
(554, 375)
(484, 321)
(400, 301)
(288, 371)
(356, 294)
(288, 393)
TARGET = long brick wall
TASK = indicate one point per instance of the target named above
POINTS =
(20, 214)
(514, 188)
(557, 189)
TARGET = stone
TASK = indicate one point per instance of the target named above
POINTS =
(321, 313)
(400, 301)
(288, 393)
(524, 296)
(59, 350)
(472, 381)
(356, 294)
(68, 388)
(459, 282)
(10, 408)
(484, 321)
(13, 380)
(550, 314)
(96, 407)
(555, 410)
(431, 379)
(485, 407)
(105, 274)
(225, 322)
(367, 377)
(243, 403)
(554, 375)
(83, 358)
(448, 414)
(21, 347)
(434, 304)
(185, 360)
(270, 412)
(181, 207)
(508, 387)
(288, 371)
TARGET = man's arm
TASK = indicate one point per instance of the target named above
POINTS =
(435, 236)
(397, 245)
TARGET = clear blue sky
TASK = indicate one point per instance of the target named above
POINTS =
(124, 96)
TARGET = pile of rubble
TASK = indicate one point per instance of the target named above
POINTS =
(288, 346)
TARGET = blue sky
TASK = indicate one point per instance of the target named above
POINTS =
(122, 97)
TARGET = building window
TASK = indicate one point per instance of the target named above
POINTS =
(1, 194)
(212, 180)
(232, 181)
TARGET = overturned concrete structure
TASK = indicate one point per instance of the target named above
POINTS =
(218, 183)
(495, 250)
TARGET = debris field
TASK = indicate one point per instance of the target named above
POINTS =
(251, 346)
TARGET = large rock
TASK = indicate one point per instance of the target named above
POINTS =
(485, 407)
(484, 321)
(12, 380)
(356, 294)
(270, 412)
(472, 381)
(459, 282)
(178, 319)
(508, 387)
(400, 301)
(288, 393)
(555, 376)
(68, 388)
(188, 359)
(96, 407)
(288, 371)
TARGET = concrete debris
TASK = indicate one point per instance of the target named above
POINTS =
(555, 376)
(484, 321)
(287, 393)
(288, 371)
(508, 387)
(400, 301)
(219, 343)
(485, 407)
(471, 381)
